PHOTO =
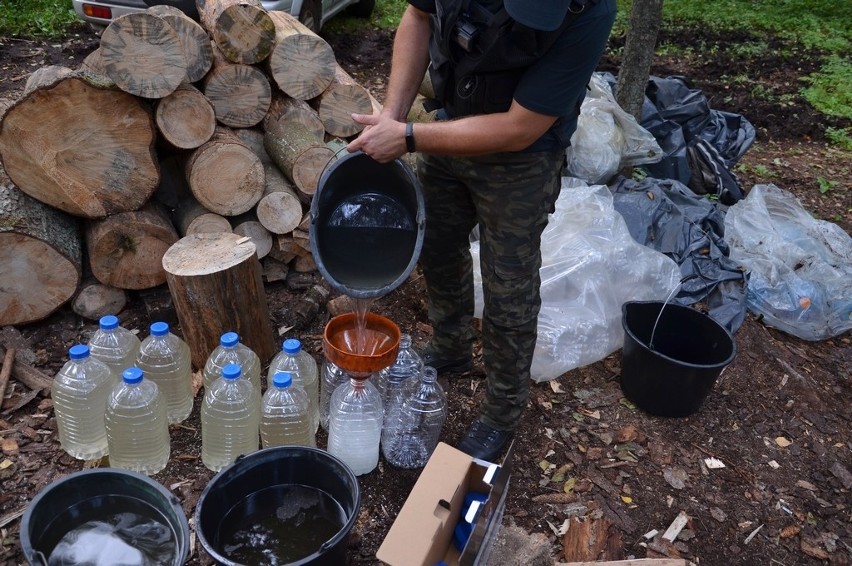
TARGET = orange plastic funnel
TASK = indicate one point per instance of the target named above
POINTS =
(380, 344)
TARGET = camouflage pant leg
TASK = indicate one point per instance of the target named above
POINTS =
(512, 195)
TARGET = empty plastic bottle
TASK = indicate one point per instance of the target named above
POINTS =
(79, 392)
(165, 359)
(136, 425)
(332, 378)
(285, 414)
(114, 345)
(397, 381)
(230, 422)
(355, 425)
(231, 351)
(412, 435)
(294, 359)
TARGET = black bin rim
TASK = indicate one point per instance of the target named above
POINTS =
(405, 172)
(261, 457)
(182, 538)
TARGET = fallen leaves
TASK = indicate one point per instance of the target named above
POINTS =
(675, 477)
(782, 442)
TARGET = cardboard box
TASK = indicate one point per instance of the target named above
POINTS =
(422, 534)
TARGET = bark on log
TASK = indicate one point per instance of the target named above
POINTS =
(339, 101)
(279, 209)
(298, 155)
(301, 62)
(94, 300)
(197, 48)
(216, 284)
(93, 63)
(186, 118)
(241, 29)
(40, 258)
(144, 55)
(248, 225)
(285, 110)
(126, 249)
(274, 270)
(224, 175)
(304, 264)
(191, 218)
(41, 137)
(33, 378)
(240, 94)
(44, 76)
(284, 248)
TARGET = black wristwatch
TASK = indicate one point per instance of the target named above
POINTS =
(409, 137)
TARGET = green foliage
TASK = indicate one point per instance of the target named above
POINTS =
(830, 89)
(37, 18)
(826, 185)
(386, 15)
(840, 137)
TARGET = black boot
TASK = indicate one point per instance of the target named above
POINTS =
(484, 442)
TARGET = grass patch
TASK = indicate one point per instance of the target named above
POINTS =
(386, 15)
(840, 137)
(37, 18)
(830, 89)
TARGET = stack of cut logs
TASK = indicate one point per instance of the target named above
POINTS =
(169, 128)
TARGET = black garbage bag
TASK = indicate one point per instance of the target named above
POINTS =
(667, 216)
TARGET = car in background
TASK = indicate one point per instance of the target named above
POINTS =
(313, 13)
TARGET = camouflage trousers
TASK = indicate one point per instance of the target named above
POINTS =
(509, 195)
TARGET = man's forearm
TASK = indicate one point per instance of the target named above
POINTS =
(409, 62)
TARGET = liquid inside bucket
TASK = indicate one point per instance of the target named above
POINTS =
(690, 350)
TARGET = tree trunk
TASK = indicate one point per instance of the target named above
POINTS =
(285, 110)
(339, 101)
(645, 19)
(241, 29)
(302, 63)
(248, 225)
(186, 117)
(40, 258)
(144, 55)
(80, 148)
(216, 283)
(224, 175)
(94, 300)
(192, 218)
(197, 48)
(240, 93)
(298, 154)
(126, 249)
(280, 209)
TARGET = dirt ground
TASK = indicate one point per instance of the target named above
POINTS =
(778, 417)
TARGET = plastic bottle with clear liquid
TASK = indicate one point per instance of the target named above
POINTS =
(285, 414)
(136, 424)
(294, 359)
(165, 359)
(114, 345)
(355, 425)
(79, 391)
(231, 351)
(412, 435)
(230, 419)
(397, 381)
(332, 378)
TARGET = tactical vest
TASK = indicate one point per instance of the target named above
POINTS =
(478, 58)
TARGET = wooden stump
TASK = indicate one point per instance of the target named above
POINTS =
(248, 225)
(224, 175)
(279, 209)
(80, 148)
(240, 94)
(186, 118)
(339, 101)
(301, 63)
(40, 257)
(126, 249)
(192, 218)
(241, 29)
(94, 300)
(299, 155)
(144, 55)
(216, 283)
(197, 48)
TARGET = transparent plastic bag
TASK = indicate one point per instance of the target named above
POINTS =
(590, 267)
(607, 138)
(800, 268)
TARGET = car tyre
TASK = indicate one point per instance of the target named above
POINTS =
(311, 15)
(363, 9)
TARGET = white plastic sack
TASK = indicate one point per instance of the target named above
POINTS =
(607, 138)
(800, 268)
(590, 267)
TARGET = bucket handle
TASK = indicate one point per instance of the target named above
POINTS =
(40, 557)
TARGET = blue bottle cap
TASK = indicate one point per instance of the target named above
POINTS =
(229, 339)
(282, 379)
(78, 352)
(132, 375)
(291, 346)
(159, 329)
(231, 371)
(109, 322)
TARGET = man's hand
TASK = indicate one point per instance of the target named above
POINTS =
(383, 139)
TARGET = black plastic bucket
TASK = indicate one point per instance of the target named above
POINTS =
(92, 495)
(690, 351)
(263, 471)
(367, 225)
